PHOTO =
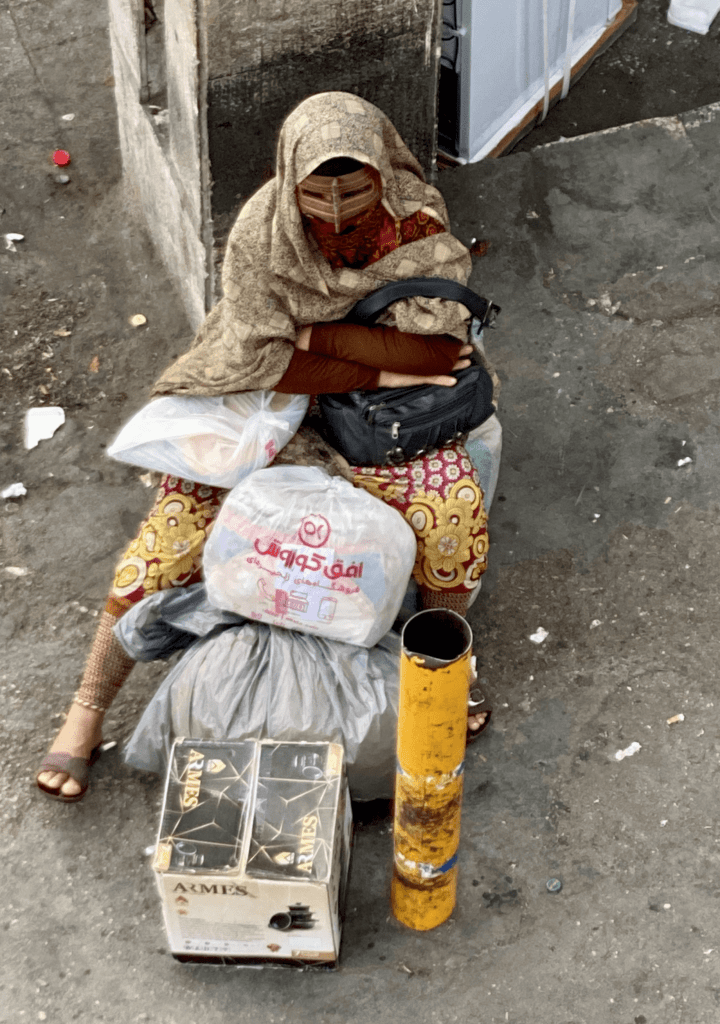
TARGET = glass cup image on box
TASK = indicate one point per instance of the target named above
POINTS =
(206, 804)
(294, 817)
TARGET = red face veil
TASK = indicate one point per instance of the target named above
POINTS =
(339, 200)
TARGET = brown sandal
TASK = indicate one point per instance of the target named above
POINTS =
(77, 768)
(477, 703)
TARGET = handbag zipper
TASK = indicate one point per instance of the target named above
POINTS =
(371, 409)
(415, 421)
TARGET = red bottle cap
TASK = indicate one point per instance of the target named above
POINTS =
(61, 157)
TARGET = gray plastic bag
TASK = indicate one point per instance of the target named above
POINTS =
(170, 621)
(251, 680)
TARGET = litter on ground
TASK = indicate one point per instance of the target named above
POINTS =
(41, 423)
(693, 15)
(13, 491)
(620, 755)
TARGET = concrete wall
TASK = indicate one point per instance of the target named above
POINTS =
(162, 166)
(263, 59)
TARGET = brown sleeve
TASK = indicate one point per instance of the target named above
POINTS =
(385, 348)
(312, 374)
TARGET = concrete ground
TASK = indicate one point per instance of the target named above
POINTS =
(604, 256)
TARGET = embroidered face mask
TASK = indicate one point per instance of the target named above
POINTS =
(341, 199)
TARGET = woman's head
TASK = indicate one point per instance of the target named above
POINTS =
(339, 191)
(335, 133)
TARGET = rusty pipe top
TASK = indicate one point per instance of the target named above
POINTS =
(438, 636)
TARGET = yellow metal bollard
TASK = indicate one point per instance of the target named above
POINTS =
(435, 673)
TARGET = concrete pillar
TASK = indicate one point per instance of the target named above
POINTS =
(161, 153)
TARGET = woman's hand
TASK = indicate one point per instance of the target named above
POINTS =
(387, 379)
(303, 339)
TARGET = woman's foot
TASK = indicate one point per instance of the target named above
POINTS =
(78, 737)
(478, 711)
(477, 722)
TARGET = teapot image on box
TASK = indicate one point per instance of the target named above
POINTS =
(298, 916)
(297, 548)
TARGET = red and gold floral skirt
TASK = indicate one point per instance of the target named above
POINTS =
(167, 551)
(441, 498)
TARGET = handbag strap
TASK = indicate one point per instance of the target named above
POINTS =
(367, 310)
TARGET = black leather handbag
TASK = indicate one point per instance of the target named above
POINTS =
(390, 426)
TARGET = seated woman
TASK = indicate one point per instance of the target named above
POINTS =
(347, 211)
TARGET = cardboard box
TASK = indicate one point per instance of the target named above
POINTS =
(253, 851)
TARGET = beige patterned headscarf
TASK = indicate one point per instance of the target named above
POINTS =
(275, 279)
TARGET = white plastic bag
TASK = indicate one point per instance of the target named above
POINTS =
(297, 548)
(484, 447)
(216, 441)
